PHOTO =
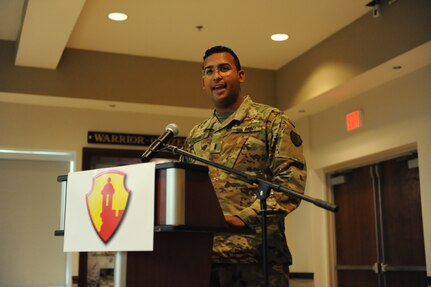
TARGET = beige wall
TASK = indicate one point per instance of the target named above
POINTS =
(44, 127)
(123, 78)
(397, 119)
(30, 255)
(366, 43)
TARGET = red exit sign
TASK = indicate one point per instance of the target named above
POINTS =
(354, 120)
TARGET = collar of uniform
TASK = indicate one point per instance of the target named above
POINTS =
(238, 115)
(243, 109)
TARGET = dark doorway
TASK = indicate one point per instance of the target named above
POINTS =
(379, 231)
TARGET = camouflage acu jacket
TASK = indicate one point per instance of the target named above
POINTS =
(259, 140)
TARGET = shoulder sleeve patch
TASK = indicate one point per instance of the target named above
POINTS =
(295, 138)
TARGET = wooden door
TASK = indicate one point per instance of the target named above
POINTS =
(356, 244)
(403, 251)
(379, 235)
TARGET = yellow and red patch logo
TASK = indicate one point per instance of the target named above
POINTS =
(107, 202)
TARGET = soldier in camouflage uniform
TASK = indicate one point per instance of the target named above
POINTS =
(259, 140)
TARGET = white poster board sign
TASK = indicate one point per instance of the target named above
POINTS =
(110, 209)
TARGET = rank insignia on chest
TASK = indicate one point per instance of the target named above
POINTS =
(215, 147)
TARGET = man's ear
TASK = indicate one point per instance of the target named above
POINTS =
(241, 75)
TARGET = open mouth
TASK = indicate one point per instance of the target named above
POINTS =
(219, 87)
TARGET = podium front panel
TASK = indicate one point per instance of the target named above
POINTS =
(185, 196)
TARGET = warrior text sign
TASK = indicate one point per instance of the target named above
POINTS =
(110, 209)
(127, 139)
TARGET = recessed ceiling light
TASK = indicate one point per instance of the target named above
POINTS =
(279, 37)
(117, 16)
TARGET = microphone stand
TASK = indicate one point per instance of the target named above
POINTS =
(262, 192)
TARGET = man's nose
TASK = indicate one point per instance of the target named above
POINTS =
(217, 75)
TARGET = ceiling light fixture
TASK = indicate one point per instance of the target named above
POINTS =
(279, 37)
(117, 16)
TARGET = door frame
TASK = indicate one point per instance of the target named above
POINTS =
(48, 155)
(343, 167)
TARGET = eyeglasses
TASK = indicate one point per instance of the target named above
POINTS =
(223, 70)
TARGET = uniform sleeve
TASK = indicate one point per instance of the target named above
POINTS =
(287, 166)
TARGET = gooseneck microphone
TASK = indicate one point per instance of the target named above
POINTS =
(171, 131)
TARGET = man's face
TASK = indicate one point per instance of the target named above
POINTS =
(221, 81)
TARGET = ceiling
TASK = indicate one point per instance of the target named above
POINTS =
(167, 28)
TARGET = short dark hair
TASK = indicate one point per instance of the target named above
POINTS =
(223, 49)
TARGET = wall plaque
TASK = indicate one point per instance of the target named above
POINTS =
(96, 137)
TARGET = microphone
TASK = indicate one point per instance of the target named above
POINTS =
(171, 131)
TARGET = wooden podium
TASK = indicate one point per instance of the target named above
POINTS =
(187, 214)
